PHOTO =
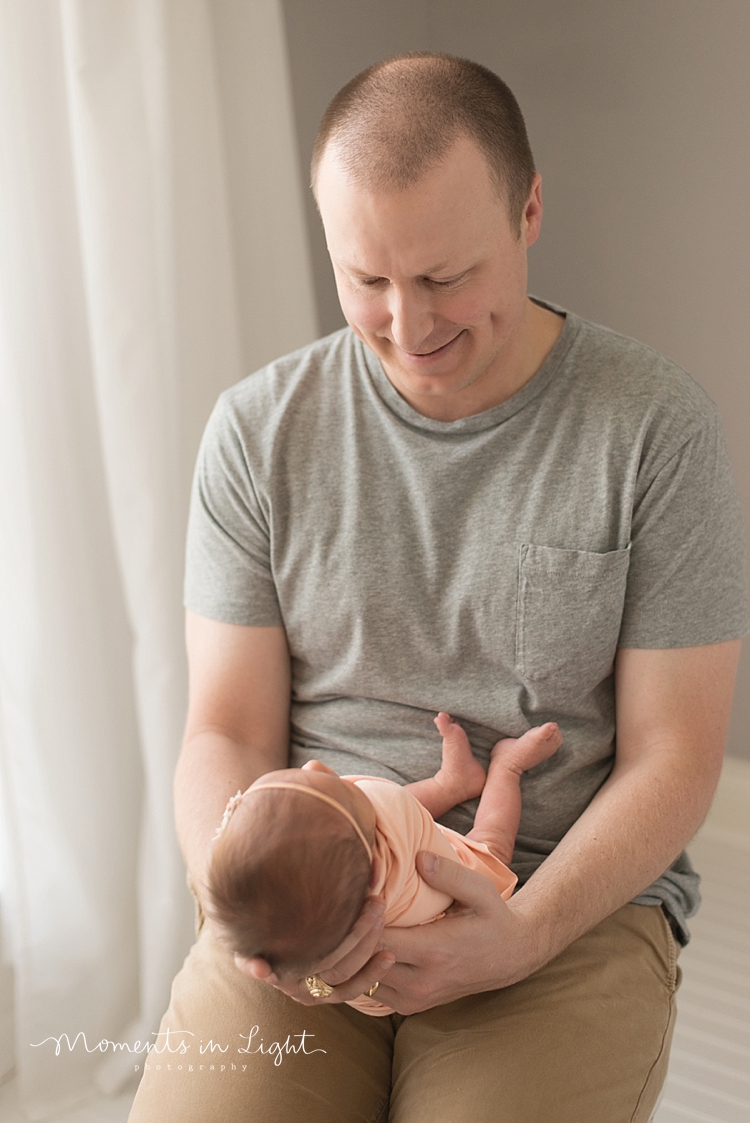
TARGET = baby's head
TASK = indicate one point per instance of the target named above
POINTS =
(291, 866)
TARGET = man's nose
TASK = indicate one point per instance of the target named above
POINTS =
(412, 320)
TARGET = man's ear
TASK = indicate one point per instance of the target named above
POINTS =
(531, 219)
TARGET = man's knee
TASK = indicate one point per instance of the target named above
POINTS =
(228, 1043)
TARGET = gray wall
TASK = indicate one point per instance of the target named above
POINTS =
(637, 114)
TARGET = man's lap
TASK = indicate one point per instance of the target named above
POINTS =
(583, 1040)
(284, 1076)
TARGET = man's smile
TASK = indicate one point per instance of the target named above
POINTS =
(428, 356)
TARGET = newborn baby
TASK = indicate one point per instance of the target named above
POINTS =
(298, 852)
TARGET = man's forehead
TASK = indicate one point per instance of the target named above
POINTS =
(407, 238)
(365, 250)
(463, 154)
(454, 202)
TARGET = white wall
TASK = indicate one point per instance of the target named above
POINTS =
(637, 114)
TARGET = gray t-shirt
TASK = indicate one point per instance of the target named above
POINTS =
(488, 567)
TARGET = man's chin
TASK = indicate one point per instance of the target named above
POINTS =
(427, 388)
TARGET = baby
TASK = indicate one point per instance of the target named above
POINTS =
(298, 852)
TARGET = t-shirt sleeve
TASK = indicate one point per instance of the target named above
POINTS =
(228, 575)
(687, 580)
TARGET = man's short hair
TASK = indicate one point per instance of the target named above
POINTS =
(397, 119)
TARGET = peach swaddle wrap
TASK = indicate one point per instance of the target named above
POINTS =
(403, 828)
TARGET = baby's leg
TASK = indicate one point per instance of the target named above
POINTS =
(460, 777)
(499, 812)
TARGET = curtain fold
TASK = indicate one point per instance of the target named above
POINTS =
(119, 325)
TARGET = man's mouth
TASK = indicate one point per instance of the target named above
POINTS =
(435, 352)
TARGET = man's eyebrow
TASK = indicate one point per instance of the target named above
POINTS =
(442, 268)
(357, 272)
(424, 273)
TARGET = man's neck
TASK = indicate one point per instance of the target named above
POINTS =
(516, 364)
(538, 336)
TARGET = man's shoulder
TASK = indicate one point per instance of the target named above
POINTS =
(289, 398)
(308, 369)
(626, 377)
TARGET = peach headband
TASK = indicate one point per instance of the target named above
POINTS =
(296, 788)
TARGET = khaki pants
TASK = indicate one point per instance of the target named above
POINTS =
(584, 1040)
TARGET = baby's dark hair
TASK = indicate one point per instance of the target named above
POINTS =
(287, 880)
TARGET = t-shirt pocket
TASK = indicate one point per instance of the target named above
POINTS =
(568, 619)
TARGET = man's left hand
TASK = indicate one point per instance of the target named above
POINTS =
(481, 944)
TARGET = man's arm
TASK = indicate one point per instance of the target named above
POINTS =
(673, 709)
(237, 725)
(238, 729)
(672, 716)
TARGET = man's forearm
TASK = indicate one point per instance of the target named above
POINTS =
(631, 832)
(211, 768)
(237, 725)
(627, 837)
(673, 711)
(672, 717)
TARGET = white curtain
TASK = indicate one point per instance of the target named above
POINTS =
(125, 253)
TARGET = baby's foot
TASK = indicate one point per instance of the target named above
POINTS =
(460, 770)
(518, 754)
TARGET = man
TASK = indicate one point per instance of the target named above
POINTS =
(475, 502)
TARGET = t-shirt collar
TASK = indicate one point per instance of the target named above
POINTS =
(489, 418)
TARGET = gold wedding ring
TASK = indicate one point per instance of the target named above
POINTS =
(372, 990)
(316, 986)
